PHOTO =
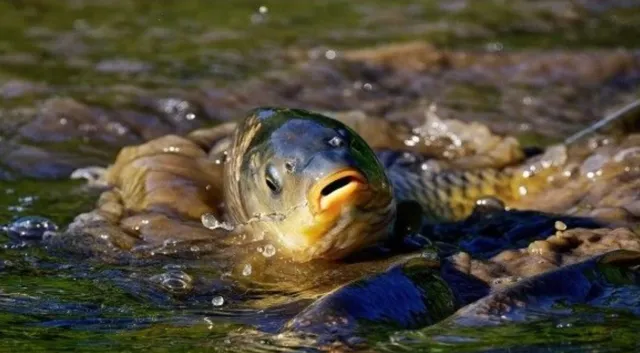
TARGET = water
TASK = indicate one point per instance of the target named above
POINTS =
(139, 70)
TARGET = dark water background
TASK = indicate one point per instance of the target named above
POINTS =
(142, 59)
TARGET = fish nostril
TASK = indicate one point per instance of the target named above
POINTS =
(336, 142)
(336, 185)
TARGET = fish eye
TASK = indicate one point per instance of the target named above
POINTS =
(272, 179)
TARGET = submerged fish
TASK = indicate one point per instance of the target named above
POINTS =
(315, 186)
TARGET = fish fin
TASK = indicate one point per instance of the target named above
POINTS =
(623, 120)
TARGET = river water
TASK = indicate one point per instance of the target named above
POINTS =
(79, 79)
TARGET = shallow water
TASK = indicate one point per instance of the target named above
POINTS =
(537, 70)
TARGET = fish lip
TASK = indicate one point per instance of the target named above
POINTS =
(358, 184)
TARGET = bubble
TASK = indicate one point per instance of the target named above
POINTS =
(175, 281)
(210, 221)
(218, 300)
(246, 271)
(31, 227)
(269, 250)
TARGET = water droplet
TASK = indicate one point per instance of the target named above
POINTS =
(330, 54)
(210, 221)
(27, 200)
(412, 141)
(246, 271)
(559, 225)
(172, 149)
(269, 250)
(31, 227)
(564, 325)
(488, 205)
(494, 46)
(218, 300)
(261, 16)
(522, 190)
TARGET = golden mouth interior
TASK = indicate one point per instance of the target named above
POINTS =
(336, 190)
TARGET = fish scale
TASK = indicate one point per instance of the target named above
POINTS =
(451, 195)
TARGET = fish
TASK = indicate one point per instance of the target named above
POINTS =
(316, 187)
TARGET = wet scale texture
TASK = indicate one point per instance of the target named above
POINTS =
(142, 267)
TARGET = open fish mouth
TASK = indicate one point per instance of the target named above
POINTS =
(333, 192)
